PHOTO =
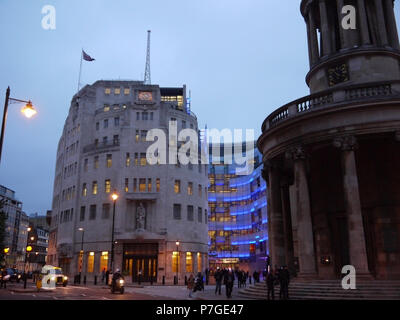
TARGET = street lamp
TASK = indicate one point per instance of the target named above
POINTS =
(81, 255)
(177, 261)
(114, 198)
(28, 111)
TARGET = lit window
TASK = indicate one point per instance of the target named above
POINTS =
(96, 162)
(108, 186)
(177, 186)
(94, 187)
(117, 91)
(143, 135)
(84, 190)
(134, 185)
(175, 262)
(104, 261)
(158, 185)
(190, 188)
(127, 91)
(128, 160)
(189, 262)
(137, 137)
(136, 158)
(149, 185)
(107, 91)
(109, 161)
(143, 160)
(90, 262)
(106, 108)
(126, 185)
(199, 266)
(142, 185)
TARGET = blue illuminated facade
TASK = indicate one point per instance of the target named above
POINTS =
(238, 221)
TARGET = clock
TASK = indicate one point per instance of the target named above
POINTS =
(338, 74)
(146, 96)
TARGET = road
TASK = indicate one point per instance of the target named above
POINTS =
(15, 292)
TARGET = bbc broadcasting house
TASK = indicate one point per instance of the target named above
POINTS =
(161, 213)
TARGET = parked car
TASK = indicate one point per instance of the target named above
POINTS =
(15, 275)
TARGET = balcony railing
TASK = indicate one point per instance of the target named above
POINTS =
(329, 98)
(101, 146)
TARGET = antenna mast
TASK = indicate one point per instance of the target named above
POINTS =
(147, 75)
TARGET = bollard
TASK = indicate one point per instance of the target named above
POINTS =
(25, 280)
(95, 280)
(163, 280)
(186, 281)
(84, 280)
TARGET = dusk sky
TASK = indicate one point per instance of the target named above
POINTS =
(240, 59)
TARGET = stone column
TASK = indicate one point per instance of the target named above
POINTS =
(305, 232)
(275, 219)
(362, 16)
(357, 246)
(326, 37)
(391, 25)
(381, 22)
(314, 50)
(287, 224)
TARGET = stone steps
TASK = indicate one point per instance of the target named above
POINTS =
(329, 290)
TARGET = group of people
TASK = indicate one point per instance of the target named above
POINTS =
(281, 276)
(195, 284)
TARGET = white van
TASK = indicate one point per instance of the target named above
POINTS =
(53, 276)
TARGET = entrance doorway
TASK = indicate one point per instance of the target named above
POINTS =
(141, 261)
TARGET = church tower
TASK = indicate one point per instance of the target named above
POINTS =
(350, 42)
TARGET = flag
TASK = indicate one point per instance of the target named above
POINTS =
(86, 57)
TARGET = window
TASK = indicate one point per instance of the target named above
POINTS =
(117, 91)
(109, 161)
(127, 91)
(145, 116)
(116, 122)
(175, 262)
(96, 162)
(104, 261)
(105, 141)
(200, 214)
(151, 116)
(190, 188)
(177, 186)
(142, 185)
(97, 126)
(134, 185)
(189, 262)
(137, 137)
(90, 262)
(137, 115)
(107, 91)
(143, 135)
(84, 190)
(158, 185)
(106, 211)
(116, 139)
(149, 185)
(96, 142)
(82, 215)
(177, 211)
(143, 160)
(126, 185)
(136, 158)
(205, 216)
(92, 212)
(190, 213)
(200, 189)
(94, 187)
(107, 186)
(128, 160)
(183, 124)
(105, 126)
(199, 266)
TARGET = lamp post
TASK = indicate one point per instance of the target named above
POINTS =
(177, 261)
(29, 229)
(29, 111)
(81, 255)
(114, 198)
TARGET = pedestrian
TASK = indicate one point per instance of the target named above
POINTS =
(229, 280)
(284, 279)
(218, 281)
(271, 285)
(103, 275)
(190, 285)
(107, 277)
(240, 279)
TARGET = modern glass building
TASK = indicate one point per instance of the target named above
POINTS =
(238, 235)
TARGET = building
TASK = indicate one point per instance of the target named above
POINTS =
(161, 213)
(16, 228)
(38, 238)
(238, 234)
(332, 158)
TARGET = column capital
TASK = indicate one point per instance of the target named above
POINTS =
(346, 143)
(296, 153)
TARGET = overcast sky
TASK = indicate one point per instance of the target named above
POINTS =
(240, 59)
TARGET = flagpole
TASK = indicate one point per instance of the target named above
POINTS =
(80, 71)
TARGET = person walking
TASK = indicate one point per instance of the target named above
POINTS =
(271, 285)
(229, 280)
(218, 281)
(284, 279)
(190, 285)
(103, 275)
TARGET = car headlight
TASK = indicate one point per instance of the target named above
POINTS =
(19, 276)
(65, 278)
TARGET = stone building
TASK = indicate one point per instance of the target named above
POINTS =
(332, 159)
(103, 148)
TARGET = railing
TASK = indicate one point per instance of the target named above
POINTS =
(100, 146)
(328, 98)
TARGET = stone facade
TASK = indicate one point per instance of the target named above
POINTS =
(337, 151)
(103, 149)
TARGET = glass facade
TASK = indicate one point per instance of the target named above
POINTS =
(237, 216)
